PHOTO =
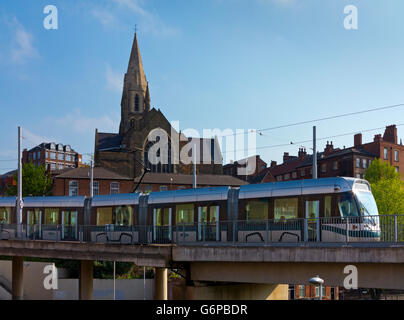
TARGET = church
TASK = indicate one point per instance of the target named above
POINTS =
(128, 153)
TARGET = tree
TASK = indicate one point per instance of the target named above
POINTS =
(379, 170)
(389, 196)
(387, 187)
(35, 182)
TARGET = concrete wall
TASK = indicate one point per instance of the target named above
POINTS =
(103, 289)
(33, 279)
(68, 288)
(231, 292)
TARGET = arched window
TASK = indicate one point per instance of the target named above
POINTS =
(159, 167)
(132, 123)
(137, 102)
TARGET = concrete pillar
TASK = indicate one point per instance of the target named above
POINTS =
(17, 285)
(160, 283)
(86, 291)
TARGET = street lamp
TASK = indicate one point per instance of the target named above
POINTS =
(317, 281)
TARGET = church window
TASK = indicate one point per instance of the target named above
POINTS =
(137, 102)
(158, 167)
(132, 123)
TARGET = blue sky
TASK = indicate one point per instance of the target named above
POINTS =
(238, 64)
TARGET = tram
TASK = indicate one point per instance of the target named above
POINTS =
(327, 210)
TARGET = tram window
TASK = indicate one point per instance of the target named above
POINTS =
(34, 216)
(184, 213)
(347, 206)
(257, 210)
(104, 216)
(123, 216)
(286, 209)
(162, 217)
(327, 206)
(5, 214)
(214, 214)
(51, 216)
(203, 214)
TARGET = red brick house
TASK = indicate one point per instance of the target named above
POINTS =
(333, 162)
(231, 169)
(53, 156)
(77, 182)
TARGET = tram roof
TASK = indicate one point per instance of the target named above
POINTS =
(54, 202)
(297, 187)
(115, 199)
(7, 201)
(189, 195)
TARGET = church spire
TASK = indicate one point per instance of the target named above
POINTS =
(135, 96)
(135, 66)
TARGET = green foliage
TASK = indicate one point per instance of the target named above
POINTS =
(387, 187)
(379, 170)
(35, 182)
(389, 196)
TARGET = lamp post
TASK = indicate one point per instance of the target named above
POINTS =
(317, 281)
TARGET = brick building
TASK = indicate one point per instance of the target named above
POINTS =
(77, 182)
(53, 156)
(126, 152)
(333, 162)
(310, 292)
(6, 180)
(232, 169)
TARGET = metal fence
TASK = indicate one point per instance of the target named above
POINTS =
(386, 228)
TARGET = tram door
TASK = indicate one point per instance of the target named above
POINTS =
(208, 223)
(69, 225)
(162, 225)
(34, 224)
(312, 220)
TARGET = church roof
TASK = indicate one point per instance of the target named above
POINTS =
(187, 179)
(108, 141)
(84, 173)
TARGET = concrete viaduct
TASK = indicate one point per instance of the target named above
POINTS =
(378, 265)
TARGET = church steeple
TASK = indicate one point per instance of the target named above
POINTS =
(135, 66)
(136, 95)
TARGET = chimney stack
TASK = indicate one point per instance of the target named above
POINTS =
(329, 148)
(390, 134)
(377, 138)
(302, 153)
(273, 164)
(286, 156)
(358, 140)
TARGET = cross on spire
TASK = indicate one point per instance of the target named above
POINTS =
(135, 28)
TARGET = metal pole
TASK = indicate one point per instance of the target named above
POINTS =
(314, 154)
(395, 229)
(194, 182)
(114, 279)
(321, 292)
(144, 283)
(19, 192)
(92, 180)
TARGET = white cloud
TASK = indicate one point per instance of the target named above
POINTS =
(22, 46)
(82, 124)
(114, 80)
(133, 5)
(103, 16)
(279, 2)
(147, 21)
(31, 139)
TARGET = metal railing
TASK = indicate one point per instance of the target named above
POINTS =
(386, 228)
